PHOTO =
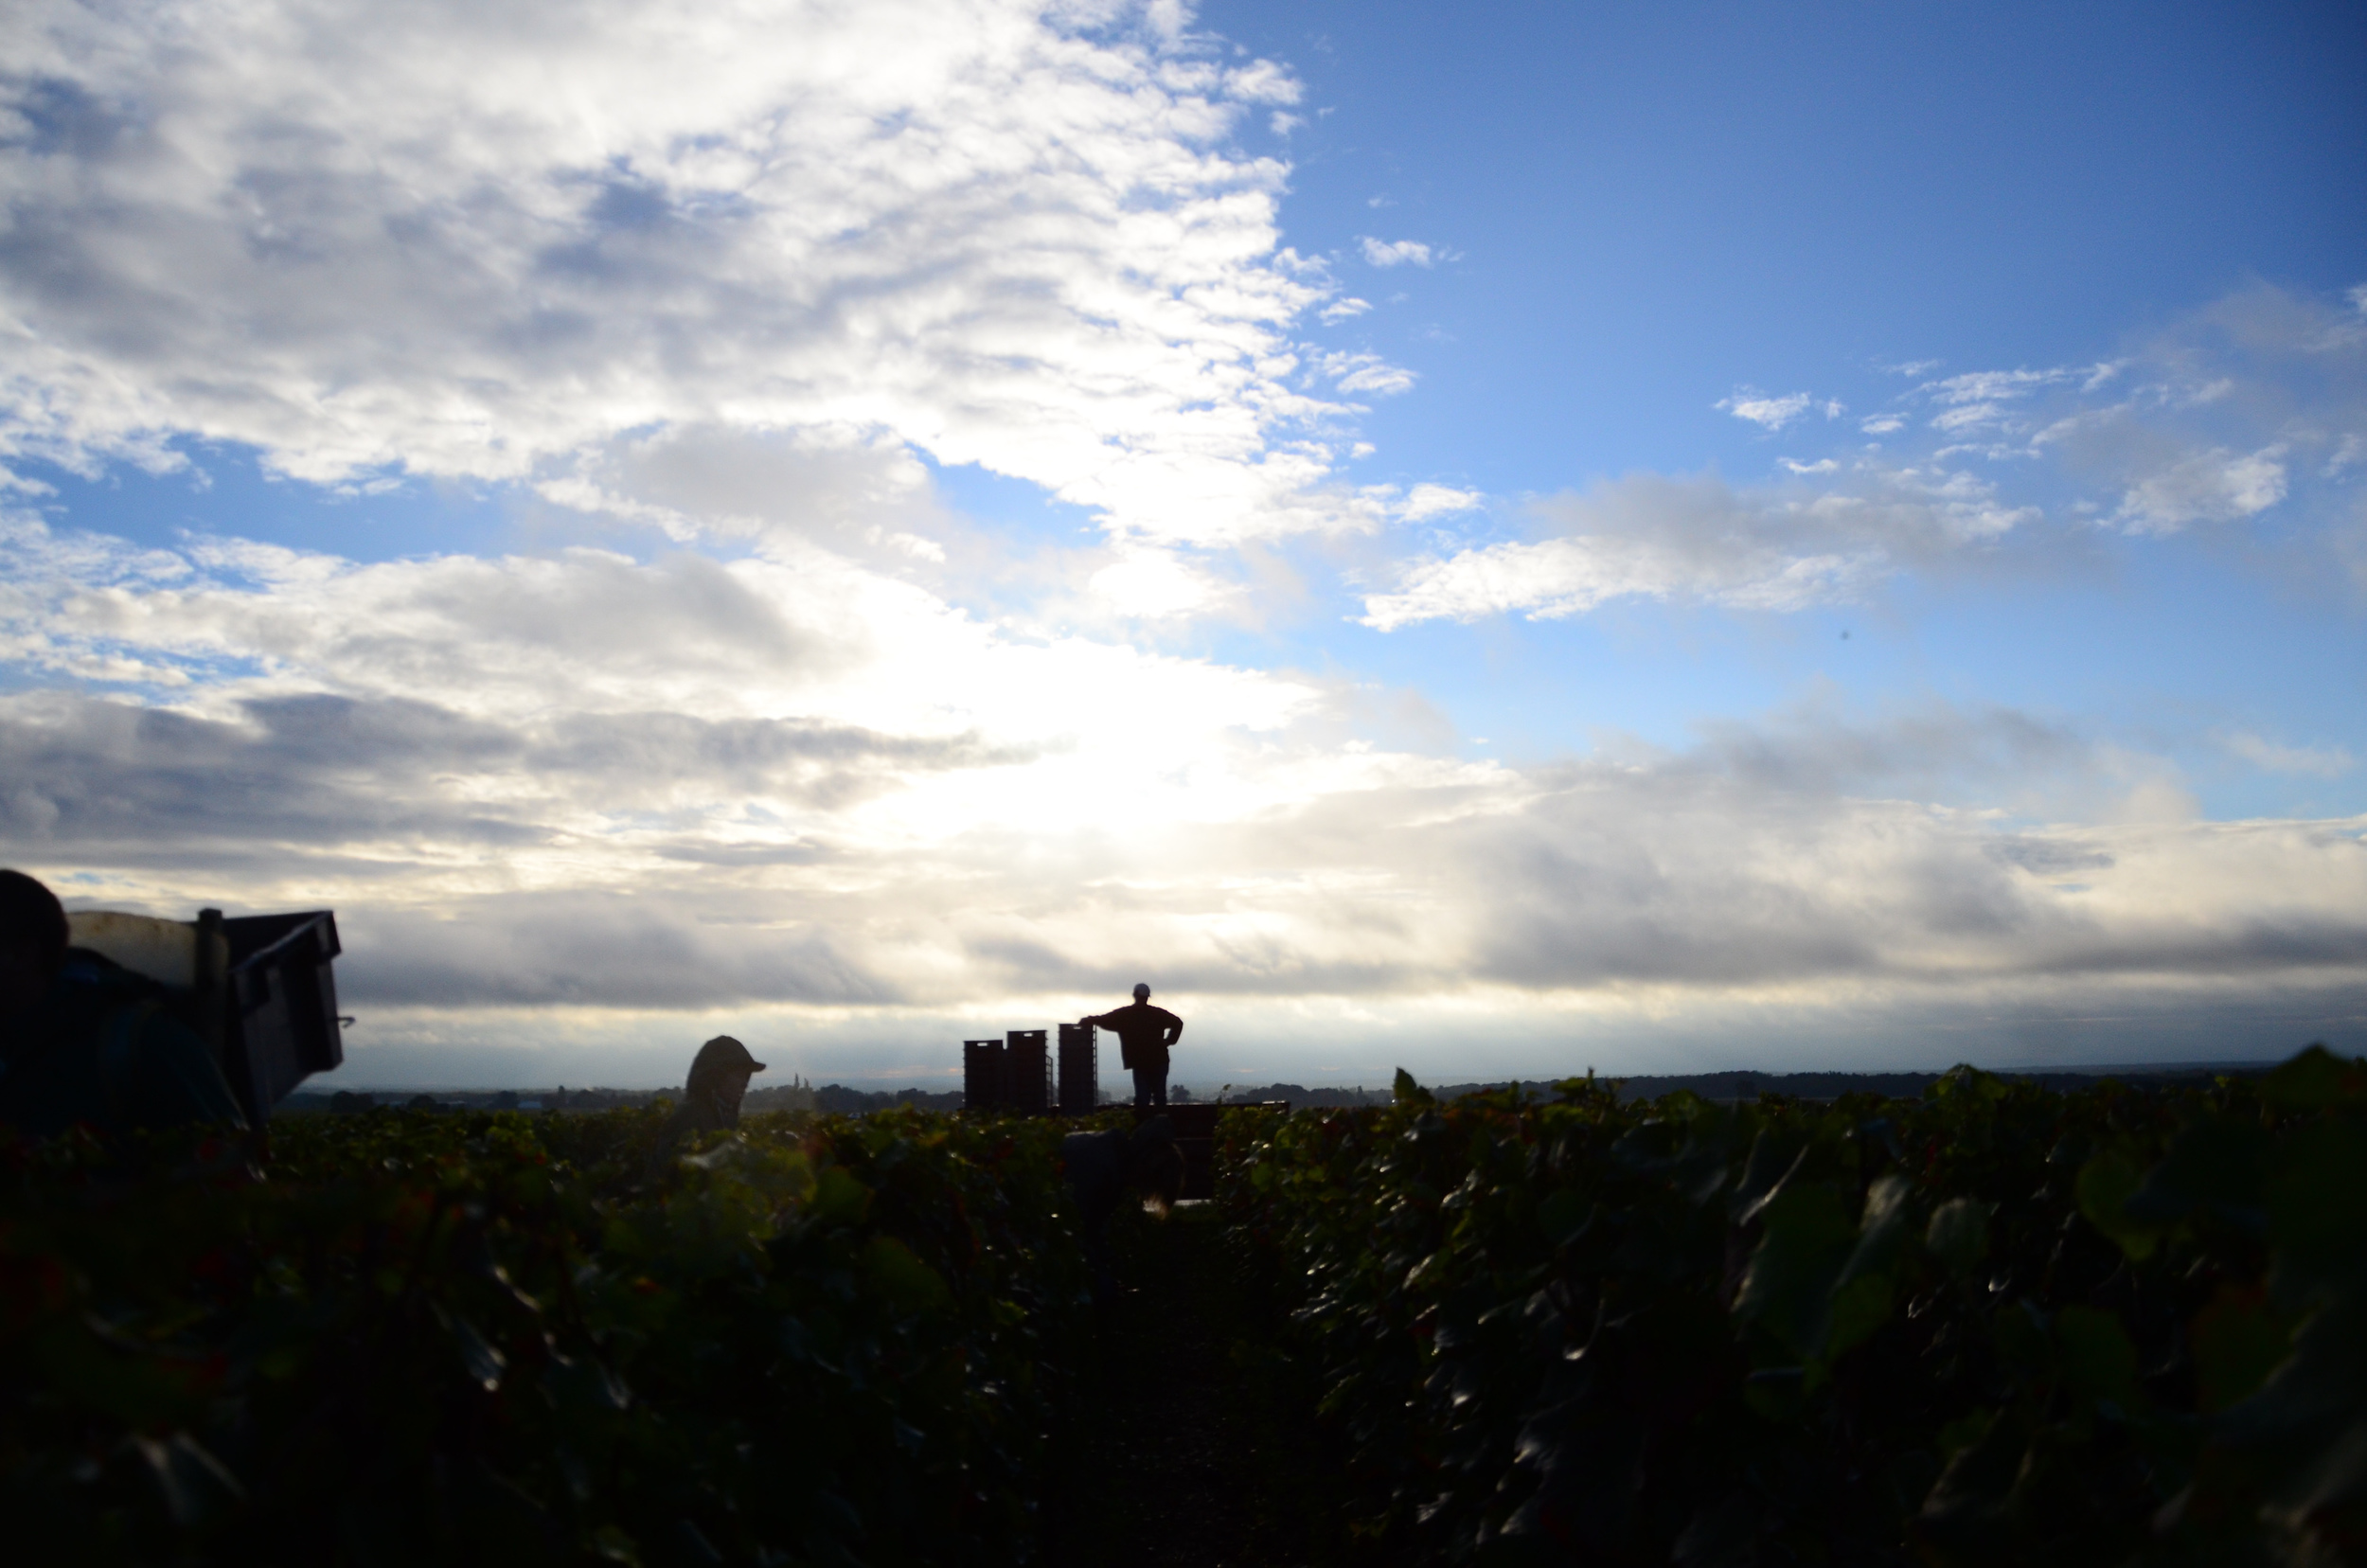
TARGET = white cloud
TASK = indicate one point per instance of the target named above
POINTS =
(787, 784)
(1262, 81)
(1391, 252)
(1153, 584)
(2270, 756)
(1341, 310)
(2217, 485)
(1360, 374)
(1428, 501)
(503, 238)
(2254, 406)
(1699, 541)
(1767, 412)
(622, 799)
(792, 635)
(1567, 577)
(1989, 399)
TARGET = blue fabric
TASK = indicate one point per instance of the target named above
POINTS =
(101, 1050)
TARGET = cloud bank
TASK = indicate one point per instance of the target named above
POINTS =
(794, 784)
(1703, 541)
(2253, 411)
(483, 240)
(726, 278)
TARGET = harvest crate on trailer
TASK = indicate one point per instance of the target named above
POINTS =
(258, 988)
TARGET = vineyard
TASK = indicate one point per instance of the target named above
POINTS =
(1994, 1323)
(496, 1338)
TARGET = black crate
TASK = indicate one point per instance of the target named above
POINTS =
(1026, 1073)
(1080, 1070)
(982, 1074)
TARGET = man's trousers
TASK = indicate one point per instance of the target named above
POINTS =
(1150, 1085)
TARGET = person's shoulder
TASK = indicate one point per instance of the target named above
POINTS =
(1087, 1148)
(89, 974)
(1168, 1016)
(87, 991)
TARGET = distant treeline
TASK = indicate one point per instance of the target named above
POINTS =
(1739, 1085)
(834, 1097)
(1827, 1086)
(1300, 1097)
(839, 1099)
(563, 1098)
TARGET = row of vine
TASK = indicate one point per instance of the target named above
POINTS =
(495, 1337)
(1995, 1324)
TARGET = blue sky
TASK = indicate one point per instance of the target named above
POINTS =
(1653, 203)
(1502, 539)
(1652, 206)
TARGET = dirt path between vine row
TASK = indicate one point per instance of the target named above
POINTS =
(1193, 1447)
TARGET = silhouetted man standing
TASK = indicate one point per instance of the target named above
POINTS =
(1145, 1033)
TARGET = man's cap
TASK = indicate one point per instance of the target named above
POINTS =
(723, 1051)
(1141, 992)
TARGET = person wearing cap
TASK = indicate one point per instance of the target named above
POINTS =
(718, 1081)
(1145, 1033)
(84, 1042)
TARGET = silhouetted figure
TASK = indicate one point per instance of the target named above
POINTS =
(718, 1081)
(1102, 1168)
(83, 1040)
(1145, 1033)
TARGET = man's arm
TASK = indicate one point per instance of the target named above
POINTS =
(1174, 1027)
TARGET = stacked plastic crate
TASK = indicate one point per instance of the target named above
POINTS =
(1011, 1075)
(1080, 1070)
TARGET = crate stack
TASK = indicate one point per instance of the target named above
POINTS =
(1080, 1070)
(1011, 1075)
(1026, 1073)
(982, 1074)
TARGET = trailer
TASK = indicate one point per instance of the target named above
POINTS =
(258, 988)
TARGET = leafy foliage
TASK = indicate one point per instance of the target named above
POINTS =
(502, 1338)
(1997, 1324)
